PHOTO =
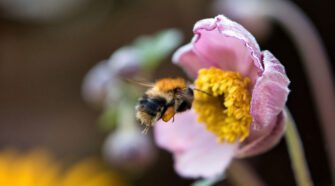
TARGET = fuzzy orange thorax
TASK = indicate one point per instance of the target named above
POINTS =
(168, 84)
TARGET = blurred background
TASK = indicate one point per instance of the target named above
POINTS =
(47, 47)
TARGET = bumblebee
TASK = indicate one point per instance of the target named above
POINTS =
(163, 100)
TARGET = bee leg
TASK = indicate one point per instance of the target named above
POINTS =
(145, 130)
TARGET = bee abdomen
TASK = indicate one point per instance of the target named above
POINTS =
(152, 106)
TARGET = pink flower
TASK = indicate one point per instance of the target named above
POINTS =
(205, 149)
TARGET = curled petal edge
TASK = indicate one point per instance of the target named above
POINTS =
(264, 143)
(195, 56)
(230, 28)
(269, 94)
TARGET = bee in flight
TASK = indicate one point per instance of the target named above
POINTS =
(163, 100)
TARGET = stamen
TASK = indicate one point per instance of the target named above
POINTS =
(226, 111)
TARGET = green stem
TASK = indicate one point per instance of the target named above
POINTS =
(208, 181)
(296, 153)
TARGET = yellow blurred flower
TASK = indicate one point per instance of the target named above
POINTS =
(37, 168)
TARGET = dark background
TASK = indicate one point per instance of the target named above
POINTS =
(42, 65)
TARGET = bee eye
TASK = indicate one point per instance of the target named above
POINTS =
(185, 105)
(189, 91)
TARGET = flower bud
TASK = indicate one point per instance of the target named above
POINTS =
(129, 150)
(125, 61)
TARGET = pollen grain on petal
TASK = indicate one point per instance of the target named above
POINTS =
(226, 110)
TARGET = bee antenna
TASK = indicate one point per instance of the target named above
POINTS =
(202, 91)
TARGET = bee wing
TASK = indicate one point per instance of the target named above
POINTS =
(141, 83)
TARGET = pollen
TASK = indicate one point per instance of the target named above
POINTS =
(225, 109)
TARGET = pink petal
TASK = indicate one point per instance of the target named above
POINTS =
(188, 60)
(270, 93)
(197, 152)
(176, 136)
(265, 142)
(222, 43)
(205, 159)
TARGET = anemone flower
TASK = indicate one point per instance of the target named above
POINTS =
(240, 115)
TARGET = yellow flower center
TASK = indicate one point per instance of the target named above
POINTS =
(225, 109)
